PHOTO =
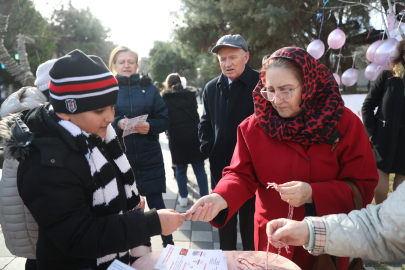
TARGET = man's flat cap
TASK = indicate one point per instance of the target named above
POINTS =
(235, 41)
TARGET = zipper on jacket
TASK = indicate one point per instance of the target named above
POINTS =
(226, 116)
(136, 152)
(383, 121)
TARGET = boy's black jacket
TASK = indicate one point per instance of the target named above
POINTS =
(54, 182)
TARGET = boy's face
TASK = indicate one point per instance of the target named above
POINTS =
(94, 122)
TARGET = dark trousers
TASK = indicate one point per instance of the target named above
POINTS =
(31, 264)
(156, 201)
(228, 234)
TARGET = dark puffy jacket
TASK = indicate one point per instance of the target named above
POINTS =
(183, 131)
(138, 96)
(224, 110)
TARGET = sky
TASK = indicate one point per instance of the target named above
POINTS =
(133, 23)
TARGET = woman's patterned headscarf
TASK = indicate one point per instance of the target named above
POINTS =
(321, 103)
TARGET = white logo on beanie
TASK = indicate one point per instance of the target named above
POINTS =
(71, 105)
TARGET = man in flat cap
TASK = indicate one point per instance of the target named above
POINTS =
(227, 102)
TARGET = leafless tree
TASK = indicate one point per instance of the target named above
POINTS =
(21, 71)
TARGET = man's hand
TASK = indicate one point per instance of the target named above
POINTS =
(295, 193)
(290, 232)
(170, 220)
(142, 128)
(122, 123)
(207, 208)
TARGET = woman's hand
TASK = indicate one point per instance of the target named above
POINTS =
(143, 128)
(295, 193)
(122, 123)
(207, 208)
(141, 203)
(170, 220)
(290, 232)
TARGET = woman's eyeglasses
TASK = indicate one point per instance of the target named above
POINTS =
(284, 95)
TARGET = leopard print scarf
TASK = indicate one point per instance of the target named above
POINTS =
(321, 103)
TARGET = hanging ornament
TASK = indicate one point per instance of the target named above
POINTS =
(349, 77)
(371, 50)
(385, 52)
(336, 39)
(316, 48)
(372, 71)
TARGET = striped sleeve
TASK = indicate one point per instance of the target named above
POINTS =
(319, 235)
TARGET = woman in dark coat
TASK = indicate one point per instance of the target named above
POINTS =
(183, 135)
(138, 96)
(386, 128)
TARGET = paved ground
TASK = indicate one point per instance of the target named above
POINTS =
(190, 235)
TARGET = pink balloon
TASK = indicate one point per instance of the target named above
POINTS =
(336, 39)
(336, 78)
(385, 52)
(372, 71)
(316, 48)
(349, 77)
(371, 50)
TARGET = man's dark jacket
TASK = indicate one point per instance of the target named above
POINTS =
(224, 110)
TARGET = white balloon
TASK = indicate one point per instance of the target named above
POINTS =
(349, 77)
(385, 52)
(336, 39)
(316, 48)
(372, 71)
(371, 50)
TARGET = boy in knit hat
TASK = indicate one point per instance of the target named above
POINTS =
(74, 177)
(19, 227)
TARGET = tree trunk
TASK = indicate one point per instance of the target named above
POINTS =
(21, 72)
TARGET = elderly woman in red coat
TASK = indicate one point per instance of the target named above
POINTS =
(302, 138)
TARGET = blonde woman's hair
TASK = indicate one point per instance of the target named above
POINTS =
(397, 64)
(114, 55)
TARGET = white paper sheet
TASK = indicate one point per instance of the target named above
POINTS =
(117, 265)
(131, 123)
(178, 258)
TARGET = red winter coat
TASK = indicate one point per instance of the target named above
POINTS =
(258, 159)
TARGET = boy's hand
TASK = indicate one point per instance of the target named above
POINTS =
(141, 203)
(170, 220)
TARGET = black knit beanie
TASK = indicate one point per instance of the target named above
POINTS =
(81, 83)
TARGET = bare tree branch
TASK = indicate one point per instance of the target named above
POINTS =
(22, 72)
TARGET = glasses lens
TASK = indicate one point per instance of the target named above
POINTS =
(285, 95)
(267, 95)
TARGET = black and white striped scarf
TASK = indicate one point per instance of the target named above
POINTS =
(105, 194)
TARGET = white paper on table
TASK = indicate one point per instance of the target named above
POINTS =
(178, 258)
(131, 123)
(117, 265)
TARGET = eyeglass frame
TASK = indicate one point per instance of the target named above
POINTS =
(290, 91)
